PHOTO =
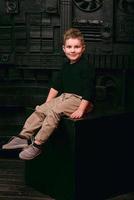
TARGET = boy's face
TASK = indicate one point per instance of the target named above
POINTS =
(73, 49)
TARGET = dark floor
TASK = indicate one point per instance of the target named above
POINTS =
(12, 183)
(129, 196)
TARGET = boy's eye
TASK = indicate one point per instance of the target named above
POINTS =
(73, 47)
(77, 46)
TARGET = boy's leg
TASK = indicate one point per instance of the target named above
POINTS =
(64, 105)
(34, 150)
(33, 122)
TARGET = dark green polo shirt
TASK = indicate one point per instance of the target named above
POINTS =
(77, 78)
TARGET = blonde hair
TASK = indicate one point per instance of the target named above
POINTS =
(73, 33)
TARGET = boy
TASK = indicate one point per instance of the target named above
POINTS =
(70, 95)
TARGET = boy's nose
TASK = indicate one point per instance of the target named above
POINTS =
(72, 49)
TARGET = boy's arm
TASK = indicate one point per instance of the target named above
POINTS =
(85, 106)
(52, 93)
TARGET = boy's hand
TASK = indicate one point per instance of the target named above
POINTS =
(77, 114)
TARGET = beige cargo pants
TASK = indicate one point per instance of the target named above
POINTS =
(46, 117)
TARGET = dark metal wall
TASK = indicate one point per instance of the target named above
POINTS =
(30, 48)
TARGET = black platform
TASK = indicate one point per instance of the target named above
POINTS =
(89, 159)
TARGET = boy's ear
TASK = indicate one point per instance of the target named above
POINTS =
(84, 47)
(63, 47)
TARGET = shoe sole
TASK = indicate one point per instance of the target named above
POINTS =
(15, 147)
(22, 158)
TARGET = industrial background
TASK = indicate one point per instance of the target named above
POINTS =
(30, 53)
(30, 50)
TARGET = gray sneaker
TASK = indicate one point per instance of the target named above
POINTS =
(16, 143)
(30, 152)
